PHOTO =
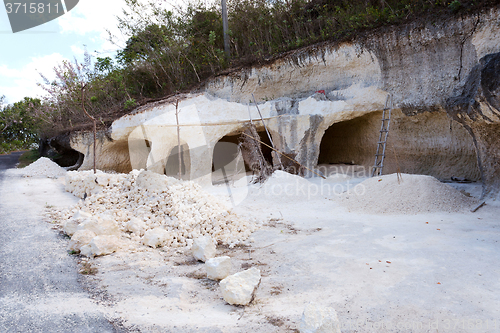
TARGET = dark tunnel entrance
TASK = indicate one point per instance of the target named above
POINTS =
(427, 143)
(348, 142)
(172, 165)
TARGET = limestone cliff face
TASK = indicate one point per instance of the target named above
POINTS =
(322, 104)
(111, 155)
(477, 108)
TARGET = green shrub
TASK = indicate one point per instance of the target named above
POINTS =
(129, 104)
(455, 5)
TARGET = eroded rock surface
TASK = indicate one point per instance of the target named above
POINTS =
(477, 108)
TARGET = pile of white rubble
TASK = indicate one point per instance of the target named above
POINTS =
(404, 194)
(43, 167)
(144, 208)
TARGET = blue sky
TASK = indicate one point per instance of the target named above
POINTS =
(39, 49)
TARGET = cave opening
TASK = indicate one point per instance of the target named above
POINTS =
(69, 158)
(60, 151)
(428, 143)
(228, 164)
(348, 147)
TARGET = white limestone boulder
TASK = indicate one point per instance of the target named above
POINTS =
(156, 237)
(203, 248)
(71, 225)
(102, 225)
(101, 245)
(79, 239)
(136, 226)
(317, 319)
(218, 268)
(240, 288)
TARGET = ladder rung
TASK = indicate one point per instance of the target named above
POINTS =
(386, 119)
(381, 142)
(379, 154)
(383, 131)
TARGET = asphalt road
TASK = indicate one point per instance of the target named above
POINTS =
(9, 161)
(39, 280)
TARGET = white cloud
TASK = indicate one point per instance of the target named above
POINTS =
(93, 17)
(77, 50)
(23, 82)
(7, 72)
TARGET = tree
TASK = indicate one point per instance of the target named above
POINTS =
(18, 125)
(105, 95)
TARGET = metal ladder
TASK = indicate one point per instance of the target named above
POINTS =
(382, 140)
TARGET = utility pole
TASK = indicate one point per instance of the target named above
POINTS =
(225, 29)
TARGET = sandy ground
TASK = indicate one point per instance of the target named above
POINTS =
(382, 273)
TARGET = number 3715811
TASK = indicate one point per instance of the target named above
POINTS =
(31, 8)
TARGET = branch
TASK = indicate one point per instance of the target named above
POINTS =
(83, 103)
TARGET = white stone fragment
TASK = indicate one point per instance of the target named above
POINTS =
(101, 225)
(218, 268)
(203, 248)
(155, 237)
(101, 245)
(317, 319)
(71, 225)
(240, 288)
(79, 239)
